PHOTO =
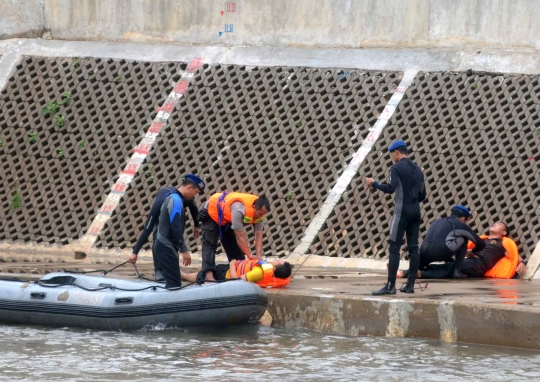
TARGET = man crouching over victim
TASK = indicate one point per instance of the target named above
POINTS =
(264, 273)
(477, 263)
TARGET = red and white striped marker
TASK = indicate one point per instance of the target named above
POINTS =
(139, 155)
(352, 168)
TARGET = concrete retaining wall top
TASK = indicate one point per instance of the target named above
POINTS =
(506, 24)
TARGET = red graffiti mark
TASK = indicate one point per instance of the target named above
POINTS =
(143, 148)
(119, 187)
(372, 136)
(167, 108)
(131, 169)
(181, 87)
(156, 127)
(401, 89)
(230, 6)
(532, 158)
(106, 209)
(94, 230)
(194, 65)
(222, 13)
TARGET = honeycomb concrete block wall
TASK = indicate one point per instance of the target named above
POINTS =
(59, 172)
(283, 132)
(477, 138)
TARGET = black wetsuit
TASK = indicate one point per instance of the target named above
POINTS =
(153, 217)
(472, 267)
(407, 181)
(170, 239)
(445, 238)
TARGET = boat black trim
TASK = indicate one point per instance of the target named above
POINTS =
(59, 308)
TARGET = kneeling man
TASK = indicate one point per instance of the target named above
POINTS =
(478, 263)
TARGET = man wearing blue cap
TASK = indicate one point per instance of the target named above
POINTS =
(407, 182)
(167, 221)
(478, 262)
(447, 238)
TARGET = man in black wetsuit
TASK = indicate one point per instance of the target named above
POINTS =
(190, 184)
(478, 263)
(447, 238)
(407, 181)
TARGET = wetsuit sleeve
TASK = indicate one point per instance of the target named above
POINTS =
(422, 194)
(194, 211)
(153, 218)
(176, 209)
(392, 184)
(479, 244)
(465, 231)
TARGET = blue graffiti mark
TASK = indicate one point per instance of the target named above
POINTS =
(343, 75)
(220, 33)
(229, 28)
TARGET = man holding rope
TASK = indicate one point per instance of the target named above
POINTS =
(407, 182)
(168, 216)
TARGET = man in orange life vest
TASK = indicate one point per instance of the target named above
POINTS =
(478, 263)
(264, 273)
(224, 218)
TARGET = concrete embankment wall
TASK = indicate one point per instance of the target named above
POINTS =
(448, 321)
(506, 24)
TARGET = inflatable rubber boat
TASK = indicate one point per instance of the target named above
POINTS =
(94, 302)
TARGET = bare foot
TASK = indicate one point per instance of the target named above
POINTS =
(400, 274)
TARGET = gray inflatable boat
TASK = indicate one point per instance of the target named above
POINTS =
(64, 299)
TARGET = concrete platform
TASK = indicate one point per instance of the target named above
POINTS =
(339, 301)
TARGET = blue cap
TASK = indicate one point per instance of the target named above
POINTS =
(195, 180)
(463, 209)
(396, 145)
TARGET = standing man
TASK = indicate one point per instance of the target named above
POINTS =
(224, 218)
(191, 185)
(407, 181)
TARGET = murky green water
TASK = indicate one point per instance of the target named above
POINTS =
(247, 354)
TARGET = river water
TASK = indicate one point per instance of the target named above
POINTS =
(248, 354)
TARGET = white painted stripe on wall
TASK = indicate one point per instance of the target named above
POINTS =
(139, 155)
(352, 168)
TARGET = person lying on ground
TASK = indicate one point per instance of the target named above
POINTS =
(447, 238)
(260, 272)
(477, 264)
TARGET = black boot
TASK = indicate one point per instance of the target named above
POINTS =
(407, 288)
(458, 275)
(387, 289)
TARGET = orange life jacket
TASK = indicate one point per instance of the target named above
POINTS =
(505, 267)
(269, 280)
(219, 207)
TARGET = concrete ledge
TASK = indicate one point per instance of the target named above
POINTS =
(448, 321)
(505, 24)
